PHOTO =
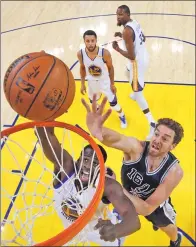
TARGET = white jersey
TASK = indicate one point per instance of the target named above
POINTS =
(65, 196)
(139, 44)
(96, 69)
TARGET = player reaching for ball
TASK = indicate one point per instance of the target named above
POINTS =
(102, 230)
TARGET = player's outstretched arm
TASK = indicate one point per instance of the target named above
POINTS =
(130, 221)
(52, 149)
(95, 120)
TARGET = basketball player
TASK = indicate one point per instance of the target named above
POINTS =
(103, 230)
(96, 66)
(150, 172)
(135, 51)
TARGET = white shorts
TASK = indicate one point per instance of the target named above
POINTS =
(100, 87)
(141, 64)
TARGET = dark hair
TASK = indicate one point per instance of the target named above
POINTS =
(89, 32)
(104, 153)
(125, 8)
(175, 126)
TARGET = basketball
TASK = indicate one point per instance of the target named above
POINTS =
(39, 86)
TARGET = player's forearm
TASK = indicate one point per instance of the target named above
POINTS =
(116, 140)
(141, 206)
(82, 75)
(49, 143)
(111, 75)
(128, 225)
(126, 54)
(110, 137)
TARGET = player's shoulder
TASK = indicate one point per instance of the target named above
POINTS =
(176, 168)
(127, 32)
(106, 52)
(79, 53)
(175, 174)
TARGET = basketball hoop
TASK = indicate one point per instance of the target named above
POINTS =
(22, 222)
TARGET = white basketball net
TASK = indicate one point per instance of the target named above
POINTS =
(30, 211)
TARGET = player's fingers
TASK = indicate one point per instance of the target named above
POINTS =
(102, 106)
(96, 226)
(106, 115)
(102, 231)
(88, 109)
(94, 103)
(99, 224)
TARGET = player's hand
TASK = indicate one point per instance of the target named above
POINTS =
(106, 230)
(118, 34)
(113, 88)
(83, 89)
(115, 45)
(95, 117)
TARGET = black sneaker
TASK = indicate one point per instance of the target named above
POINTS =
(177, 242)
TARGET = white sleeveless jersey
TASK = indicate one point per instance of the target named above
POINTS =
(65, 196)
(139, 44)
(96, 69)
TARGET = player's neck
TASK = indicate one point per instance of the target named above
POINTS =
(155, 161)
(130, 20)
(94, 52)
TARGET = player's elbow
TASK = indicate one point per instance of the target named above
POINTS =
(132, 58)
(147, 211)
(131, 55)
(137, 224)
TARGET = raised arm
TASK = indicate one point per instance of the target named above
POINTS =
(53, 151)
(82, 72)
(128, 36)
(95, 120)
(130, 221)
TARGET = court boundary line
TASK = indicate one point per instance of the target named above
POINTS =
(92, 16)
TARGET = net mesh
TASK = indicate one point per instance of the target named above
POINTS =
(33, 209)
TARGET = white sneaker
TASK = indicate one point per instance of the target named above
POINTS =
(123, 122)
(132, 96)
(151, 133)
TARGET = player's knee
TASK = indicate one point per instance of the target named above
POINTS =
(114, 104)
(138, 94)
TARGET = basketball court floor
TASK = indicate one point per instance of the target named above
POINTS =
(57, 28)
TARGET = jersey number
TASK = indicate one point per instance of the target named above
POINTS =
(135, 176)
(142, 38)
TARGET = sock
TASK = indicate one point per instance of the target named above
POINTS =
(150, 118)
(139, 97)
(121, 114)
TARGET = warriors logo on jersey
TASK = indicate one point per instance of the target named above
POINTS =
(70, 209)
(94, 70)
